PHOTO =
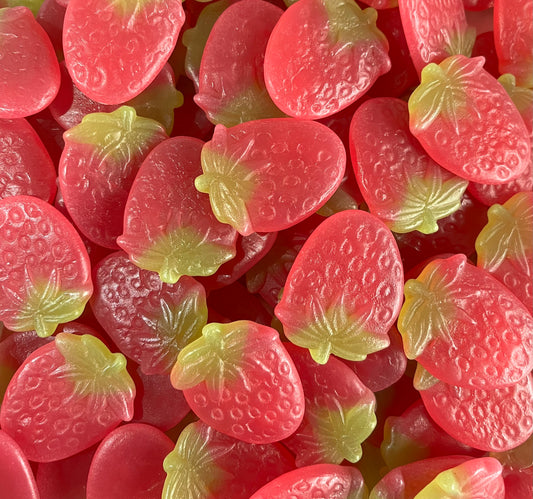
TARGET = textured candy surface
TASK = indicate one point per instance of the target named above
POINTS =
(44, 267)
(66, 396)
(25, 165)
(267, 175)
(319, 480)
(231, 83)
(102, 155)
(467, 123)
(114, 50)
(465, 327)
(414, 192)
(149, 321)
(169, 227)
(322, 56)
(29, 73)
(491, 420)
(239, 378)
(344, 290)
(206, 463)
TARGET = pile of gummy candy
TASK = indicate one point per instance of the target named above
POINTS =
(266, 249)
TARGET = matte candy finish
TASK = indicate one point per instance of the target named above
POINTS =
(491, 420)
(467, 122)
(268, 175)
(231, 84)
(114, 50)
(44, 270)
(29, 73)
(25, 165)
(465, 327)
(16, 475)
(209, 464)
(169, 227)
(129, 463)
(319, 480)
(344, 291)
(149, 321)
(66, 396)
(322, 56)
(239, 378)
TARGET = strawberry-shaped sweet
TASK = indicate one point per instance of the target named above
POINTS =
(465, 327)
(67, 396)
(25, 165)
(267, 175)
(231, 87)
(45, 276)
(50, 16)
(383, 368)
(322, 56)
(344, 291)
(406, 481)
(467, 122)
(492, 194)
(194, 39)
(101, 158)
(477, 5)
(493, 420)
(16, 476)
(414, 436)
(149, 321)
(414, 192)
(505, 246)
(29, 72)
(129, 463)
(206, 464)
(239, 378)
(157, 101)
(169, 227)
(339, 412)
(319, 480)
(472, 479)
(513, 36)
(435, 29)
(113, 51)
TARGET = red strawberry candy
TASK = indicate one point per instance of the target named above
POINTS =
(513, 35)
(149, 321)
(206, 464)
(67, 396)
(492, 420)
(29, 73)
(435, 29)
(339, 412)
(129, 463)
(45, 274)
(414, 436)
(239, 378)
(322, 56)
(102, 155)
(169, 227)
(401, 184)
(25, 165)
(344, 291)
(505, 246)
(231, 85)
(16, 475)
(472, 479)
(157, 101)
(113, 51)
(267, 175)
(467, 123)
(50, 16)
(405, 482)
(319, 480)
(465, 327)
(478, 4)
